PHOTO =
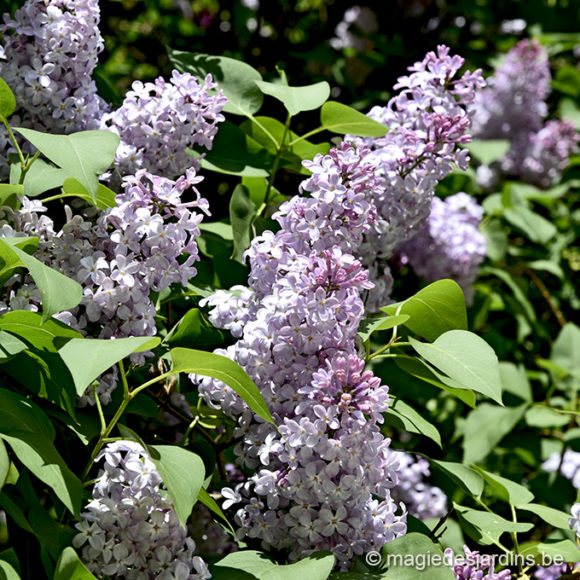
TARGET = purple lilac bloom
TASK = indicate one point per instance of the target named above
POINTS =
(145, 243)
(130, 528)
(427, 123)
(424, 501)
(323, 481)
(51, 49)
(474, 566)
(513, 107)
(449, 245)
(159, 121)
(552, 572)
(569, 467)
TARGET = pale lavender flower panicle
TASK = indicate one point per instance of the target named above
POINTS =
(51, 49)
(513, 107)
(159, 121)
(130, 529)
(427, 123)
(449, 245)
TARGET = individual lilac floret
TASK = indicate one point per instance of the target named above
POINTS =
(424, 501)
(130, 529)
(427, 123)
(449, 245)
(513, 107)
(569, 467)
(51, 49)
(474, 566)
(159, 121)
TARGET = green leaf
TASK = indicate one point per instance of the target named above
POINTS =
(193, 330)
(221, 368)
(41, 177)
(7, 572)
(87, 358)
(421, 370)
(235, 78)
(506, 489)
(433, 310)
(9, 194)
(542, 417)
(496, 239)
(370, 325)
(235, 153)
(462, 475)
(57, 292)
(534, 226)
(71, 567)
(566, 349)
(486, 426)
(242, 214)
(7, 100)
(104, 198)
(182, 472)
(466, 358)
(4, 464)
(10, 345)
(564, 549)
(84, 155)
(552, 516)
(485, 527)
(315, 567)
(489, 150)
(401, 555)
(345, 120)
(43, 335)
(297, 99)
(515, 381)
(29, 433)
(403, 417)
(211, 504)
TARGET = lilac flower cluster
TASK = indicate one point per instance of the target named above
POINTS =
(51, 49)
(475, 566)
(513, 107)
(159, 121)
(130, 528)
(323, 480)
(449, 244)
(427, 123)
(569, 466)
(424, 501)
(145, 243)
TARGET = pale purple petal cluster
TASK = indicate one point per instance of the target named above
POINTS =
(513, 107)
(424, 501)
(474, 566)
(323, 481)
(130, 528)
(553, 572)
(145, 243)
(569, 466)
(51, 49)
(427, 124)
(159, 121)
(449, 244)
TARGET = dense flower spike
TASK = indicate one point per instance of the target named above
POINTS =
(130, 528)
(513, 107)
(51, 49)
(474, 566)
(427, 123)
(145, 243)
(315, 486)
(159, 121)
(449, 245)
(423, 500)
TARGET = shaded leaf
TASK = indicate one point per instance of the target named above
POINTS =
(242, 214)
(71, 567)
(506, 489)
(7, 100)
(462, 475)
(403, 417)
